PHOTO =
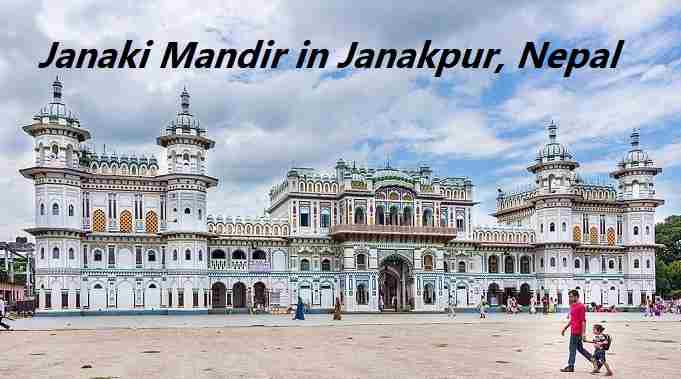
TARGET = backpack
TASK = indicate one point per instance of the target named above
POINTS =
(608, 339)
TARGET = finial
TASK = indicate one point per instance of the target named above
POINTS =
(56, 89)
(635, 138)
(553, 131)
(184, 100)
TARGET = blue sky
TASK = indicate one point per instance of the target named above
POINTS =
(466, 123)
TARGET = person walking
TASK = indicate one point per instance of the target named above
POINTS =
(483, 308)
(337, 309)
(577, 325)
(451, 312)
(300, 310)
(380, 303)
(533, 305)
(3, 309)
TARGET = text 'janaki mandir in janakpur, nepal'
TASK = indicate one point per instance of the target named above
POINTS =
(119, 233)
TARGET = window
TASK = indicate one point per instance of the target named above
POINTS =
(112, 256)
(304, 265)
(72, 254)
(200, 255)
(42, 253)
(602, 224)
(55, 253)
(586, 263)
(647, 263)
(635, 230)
(541, 262)
(577, 263)
(563, 227)
(553, 262)
(55, 150)
(187, 211)
(445, 266)
(174, 255)
(564, 262)
(636, 263)
(199, 213)
(238, 254)
(55, 209)
(259, 254)
(138, 256)
(647, 230)
(552, 227)
(326, 265)
(362, 294)
(459, 224)
(493, 264)
(304, 216)
(359, 216)
(611, 264)
(380, 215)
(509, 264)
(187, 255)
(361, 260)
(98, 256)
(42, 209)
(462, 266)
(71, 210)
(325, 221)
(428, 262)
(525, 265)
(151, 256)
(541, 228)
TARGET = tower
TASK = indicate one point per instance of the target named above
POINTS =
(635, 174)
(186, 145)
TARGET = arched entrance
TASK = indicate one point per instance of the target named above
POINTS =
(494, 296)
(219, 295)
(395, 283)
(260, 292)
(525, 294)
(239, 295)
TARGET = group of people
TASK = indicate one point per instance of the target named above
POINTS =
(512, 305)
(300, 310)
(655, 307)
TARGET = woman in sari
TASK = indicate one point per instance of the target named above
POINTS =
(337, 310)
(300, 310)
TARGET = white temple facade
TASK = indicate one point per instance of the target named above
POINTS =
(127, 234)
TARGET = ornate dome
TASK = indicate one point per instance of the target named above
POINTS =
(553, 151)
(184, 118)
(636, 156)
(56, 110)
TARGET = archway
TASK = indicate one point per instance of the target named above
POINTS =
(494, 295)
(525, 294)
(395, 286)
(219, 295)
(260, 292)
(239, 295)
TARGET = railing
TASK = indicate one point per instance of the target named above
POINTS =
(392, 229)
(260, 266)
(239, 264)
(218, 264)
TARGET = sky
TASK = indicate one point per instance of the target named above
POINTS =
(469, 123)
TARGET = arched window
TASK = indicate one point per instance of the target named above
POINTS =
(493, 264)
(200, 255)
(647, 263)
(407, 216)
(636, 263)
(635, 230)
(42, 253)
(152, 285)
(259, 254)
(647, 230)
(359, 216)
(97, 286)
(218, 254)
(541, 262)
(42, 209)
(552, 227)
(541, 228)
(55, 209)
(55, 253)
(380, 215)
(611, 264)
(445, 266)
(72, 254)
(362, 294)
(553, 262)
(427, 217)
(361, 260)
(175, 255)
(462, 266)
(326, 265)
(98, 256)
(563, 227)
(428, 262)
(55, 150)
(509, 265)
(428, 294)
(325, 218)
(71, 212)
(564, 262)
(525, 265)
(199, 213)
(187, 211)
(238, 254)
(577, 263)
(304, 265)
(187, 255)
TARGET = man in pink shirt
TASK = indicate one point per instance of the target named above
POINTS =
(577, 325)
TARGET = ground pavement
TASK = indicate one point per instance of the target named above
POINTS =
(359, 346)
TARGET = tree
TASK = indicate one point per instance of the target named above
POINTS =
(662, 282)
(668, 233)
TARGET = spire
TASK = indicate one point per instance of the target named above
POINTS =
(56, 90)
(184, 100)
(553, 131)
(635, 138)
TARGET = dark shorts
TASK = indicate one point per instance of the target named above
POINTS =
(599, 356)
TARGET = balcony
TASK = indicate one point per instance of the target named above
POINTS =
(375, 231)
(218, 264)
(226, 265)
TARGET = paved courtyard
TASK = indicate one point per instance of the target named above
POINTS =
(360, 346)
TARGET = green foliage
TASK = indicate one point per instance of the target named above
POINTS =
(668, 233)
